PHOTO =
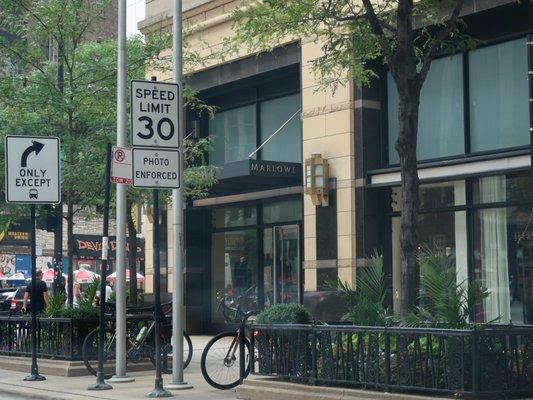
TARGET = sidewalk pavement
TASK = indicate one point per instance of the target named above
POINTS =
(12, 386)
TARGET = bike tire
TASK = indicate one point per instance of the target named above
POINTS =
(166, 364)
(207, 365)
(90, 353)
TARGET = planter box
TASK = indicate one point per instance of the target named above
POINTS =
(496, 360)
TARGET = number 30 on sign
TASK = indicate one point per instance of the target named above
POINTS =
(154, 114)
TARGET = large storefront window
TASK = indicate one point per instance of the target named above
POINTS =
(441, 128)
(256, 254)
(234, 268)
(235, 134)
(285, 145)
(496, 101)
(499, 96)
(500, 222)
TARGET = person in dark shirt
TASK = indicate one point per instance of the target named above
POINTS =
(41, 300)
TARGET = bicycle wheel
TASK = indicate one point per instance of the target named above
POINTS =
(166, 354)
(90, 350)
(220, 361)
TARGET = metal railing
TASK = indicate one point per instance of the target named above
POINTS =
(57, 338)
(495, 360)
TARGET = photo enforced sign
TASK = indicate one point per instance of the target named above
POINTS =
(156, 168)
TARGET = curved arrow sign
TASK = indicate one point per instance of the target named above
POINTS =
(36, 148)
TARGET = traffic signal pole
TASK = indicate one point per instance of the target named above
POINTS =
(120, 286)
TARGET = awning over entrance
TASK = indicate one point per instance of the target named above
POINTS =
(253, 175)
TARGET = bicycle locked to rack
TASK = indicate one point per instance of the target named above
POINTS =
(140, 340)
(226, 359)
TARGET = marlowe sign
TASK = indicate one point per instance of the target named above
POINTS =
(156, 168)
(32, 169)
(154, 114)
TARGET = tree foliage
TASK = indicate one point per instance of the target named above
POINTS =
(79, 103)
(404, 35)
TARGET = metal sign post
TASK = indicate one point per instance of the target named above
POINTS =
(34, 373)
(33, 176)
(158, 391)
(156, 165)
(178, 238)
(100, 383)
(120, 286)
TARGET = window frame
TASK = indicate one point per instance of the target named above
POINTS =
(466, 112)
(257, 98)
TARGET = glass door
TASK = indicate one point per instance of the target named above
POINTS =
(281, 265)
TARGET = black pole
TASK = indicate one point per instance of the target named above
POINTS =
(58, 245)
(530, 81)
(34, 374)
(100, 383)
(58, 233)
(158, 391)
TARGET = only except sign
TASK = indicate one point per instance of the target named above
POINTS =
(156, 168)
(32, 169)
(154, 114)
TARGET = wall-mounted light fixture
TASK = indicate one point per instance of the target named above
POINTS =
(316, 179)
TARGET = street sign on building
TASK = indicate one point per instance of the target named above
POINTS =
(154, 114)
(32, 169)
(156, 168)
(121, 165)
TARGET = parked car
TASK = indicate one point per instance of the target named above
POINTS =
(18, 301)
(5, 300)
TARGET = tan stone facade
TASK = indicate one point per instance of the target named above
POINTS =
(327, 128)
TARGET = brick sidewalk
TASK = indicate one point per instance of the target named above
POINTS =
(75, 388)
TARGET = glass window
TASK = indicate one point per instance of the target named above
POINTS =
(286, 144)
(493, 189)
(435, 195)
(234, 269)
(441, 116)
(234, 216)
(444, 232)
(499, 96)
(234, 134)
(503, 254)
(280, 211)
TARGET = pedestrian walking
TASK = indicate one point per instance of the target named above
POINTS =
(41, 299)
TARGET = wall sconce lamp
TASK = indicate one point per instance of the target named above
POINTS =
(316, 179)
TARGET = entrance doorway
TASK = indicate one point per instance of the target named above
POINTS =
(281, 265)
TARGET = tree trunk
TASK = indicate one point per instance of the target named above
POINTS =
(132, 254)
(406, 144)
(70, 251)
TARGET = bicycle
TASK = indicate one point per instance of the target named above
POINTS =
(140, 344)
(220, 364)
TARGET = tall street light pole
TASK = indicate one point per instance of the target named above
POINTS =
(120, 288)
(177, 209)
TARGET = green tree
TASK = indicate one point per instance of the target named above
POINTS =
(405, 34)
(65, 85)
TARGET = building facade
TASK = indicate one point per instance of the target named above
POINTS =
(259, 236)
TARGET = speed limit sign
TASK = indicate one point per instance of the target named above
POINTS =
(154, 114)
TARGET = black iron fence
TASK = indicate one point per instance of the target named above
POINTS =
(57, 338)
(496, 360)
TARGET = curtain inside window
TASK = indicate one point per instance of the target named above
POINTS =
(493, 248)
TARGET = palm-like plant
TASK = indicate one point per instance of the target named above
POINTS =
(444, 301)
(366, 301)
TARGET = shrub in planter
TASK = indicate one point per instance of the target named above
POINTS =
(278, 344)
